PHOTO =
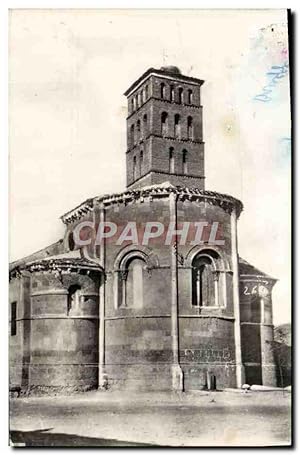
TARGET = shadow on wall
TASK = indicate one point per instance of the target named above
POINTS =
(41, 438)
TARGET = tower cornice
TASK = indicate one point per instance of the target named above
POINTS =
(165, 74)
(167, 138)
(155, 98)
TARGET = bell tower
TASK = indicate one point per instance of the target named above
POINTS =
(164, 130)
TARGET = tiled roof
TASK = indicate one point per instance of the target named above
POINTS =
(245, 268)
(70, 260)
(164, 189)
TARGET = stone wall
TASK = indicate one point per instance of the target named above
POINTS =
(207, 346)
(257, 330)
(58, 341)
(16, 341)
(56, 346)
(138, 348)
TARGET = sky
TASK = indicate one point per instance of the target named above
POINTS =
(68, 70)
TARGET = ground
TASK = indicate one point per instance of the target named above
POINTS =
(227, 418)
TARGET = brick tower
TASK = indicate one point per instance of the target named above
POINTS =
(164, 130)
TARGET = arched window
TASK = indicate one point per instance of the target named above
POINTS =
(164, 124)
(141, 161)
(190, 96)
(177, 126)
(13, 319)
(204, 280)
(136, 101)
(190, 130)
(71, 242)
(132, 104)
(132, 136)
(138, 130)
(132, 277)
(134, 168)
(162, 90)
(172, 93)
(180, 95)
(145, 126)
(146, 92)
(171, 160)
(74, 293)
(184, 162)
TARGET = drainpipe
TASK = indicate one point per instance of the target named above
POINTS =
(236, 301)
(177, 376)
(102, 378)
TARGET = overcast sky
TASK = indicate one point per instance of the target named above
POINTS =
(68, 72)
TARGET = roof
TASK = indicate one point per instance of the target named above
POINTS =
(165, 71)
(48, 251)
(245, 268)
(225, 201)
(69, 255)
(68, 260)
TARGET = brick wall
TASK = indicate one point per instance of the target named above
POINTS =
(146, 120)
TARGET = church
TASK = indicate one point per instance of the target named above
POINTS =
(178, 315)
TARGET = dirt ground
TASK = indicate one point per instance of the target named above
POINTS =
(225, 418)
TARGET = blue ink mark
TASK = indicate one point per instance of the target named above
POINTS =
(284, 150)
(276, 73)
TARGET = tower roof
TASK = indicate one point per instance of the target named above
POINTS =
(166, 71)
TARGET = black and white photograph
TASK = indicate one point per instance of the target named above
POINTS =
(150, 228)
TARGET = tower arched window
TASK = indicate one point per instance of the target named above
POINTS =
(180, 95)
(134, 168)
(146, 92)
(177, 126)
(138, 129)
(136, 101)
(162, 90)
(190, 96)
(141, 161)
(205, 288)
(164, 124)
(184, 162)
(132, 104)
(145, 126)
(132, 135)
(190, 130)
(171, 160)
(172, 93)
